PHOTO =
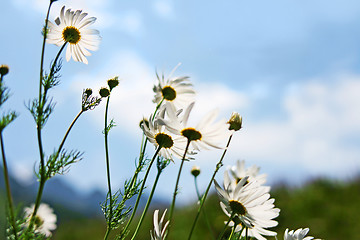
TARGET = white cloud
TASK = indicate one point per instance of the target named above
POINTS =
(164, 8)
(132, 99)
(321, 118)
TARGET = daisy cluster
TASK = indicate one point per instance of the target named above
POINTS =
(244, 196)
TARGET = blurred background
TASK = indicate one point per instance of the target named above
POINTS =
(290, 68)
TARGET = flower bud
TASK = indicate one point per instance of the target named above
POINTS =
(235, 122)
(195, 171)
(88, 91)
(4, 69)
(113, 82)
(104, 92)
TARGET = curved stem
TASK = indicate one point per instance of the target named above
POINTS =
(8, 190)
(147, 205)
(177, 185)
(141, 190)
(43, 50)
(106, 131)
(107, 233)
(68, 131)
(218, 166)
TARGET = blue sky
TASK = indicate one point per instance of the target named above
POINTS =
(290, 68)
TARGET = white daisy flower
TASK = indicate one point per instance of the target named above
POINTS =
(205, 134)
(72, 27)
(159, 136)
(159, 229)
(45, 219)
(297, 235)
(239, 172)
(177, 91)
(250, 205)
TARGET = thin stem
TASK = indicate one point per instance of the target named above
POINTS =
(108, 166)
(232, 232)
(56, 59)
(218, 166)
(107, 233)
(141, 190)
(246, 232)
(8, 190)
(177, 185)
(147, 204)
(205, 215)
(43, 50)
(68, 131)
(227, 223)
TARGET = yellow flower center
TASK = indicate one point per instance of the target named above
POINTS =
(71, 34)
(191, 134)
(164, 140)
(237, 207)
(168, 93)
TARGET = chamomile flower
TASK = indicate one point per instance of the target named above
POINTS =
(73, 28)
(239, 171)
(207, 133)
(45, 219)
(299, 234)
(160, 137)
(159, 227)
(250, 206)
(178, 91)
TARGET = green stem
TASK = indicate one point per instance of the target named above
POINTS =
(43, 50)
(67, 132)
(108, 166)
(107, 233)
(227, 223)
(141, 190)
(177, 185)
(232, 232)
(218, 166)
(8, 190)
(56, 59)
(147, 204)
(205, 215)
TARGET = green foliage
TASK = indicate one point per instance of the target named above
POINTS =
(329, 208)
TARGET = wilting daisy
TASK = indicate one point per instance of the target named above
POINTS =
(159, 229)
(239, 172)
(160, 137)
(297, 235)
(177, 91)
(72, 28)
(250, 206)
(205, 134)
(45, 219)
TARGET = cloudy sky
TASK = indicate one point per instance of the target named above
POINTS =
(290, 68)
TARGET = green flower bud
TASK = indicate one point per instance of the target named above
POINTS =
(113, 82)
(88, 92)
(4, 69)
(235, 122)
(195, 171)
(104, 92)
